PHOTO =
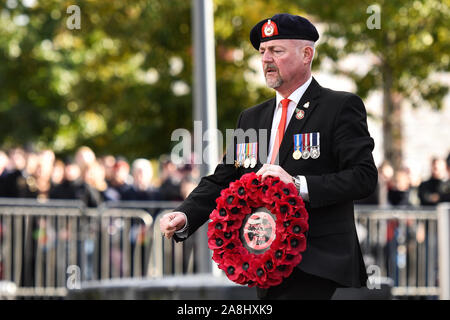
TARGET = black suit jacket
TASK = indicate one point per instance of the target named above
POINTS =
(344, 172)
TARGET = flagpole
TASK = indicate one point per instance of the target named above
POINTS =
(204, 111)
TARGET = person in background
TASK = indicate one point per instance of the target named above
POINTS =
(3, 164)
(120, 185)
(429, 190)
(15, 176)
(142, 188)
(58, 172)
(108, 163)
(43, 174)
(444, 191)
(84, 157)
(188, 184)
(94, 186)
(171, 177)
(385, 175)
(70, 187)
(399, 190)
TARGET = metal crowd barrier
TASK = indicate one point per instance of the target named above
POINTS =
(443, 212)
(166, 256)
(49, 247)
(401, 244)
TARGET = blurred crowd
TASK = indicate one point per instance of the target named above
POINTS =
(92, 179)
(400, 188)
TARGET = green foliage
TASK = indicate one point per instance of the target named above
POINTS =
(123, 82)
(412, 44)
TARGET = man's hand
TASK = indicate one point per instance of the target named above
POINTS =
(172, 222)
(274, 171)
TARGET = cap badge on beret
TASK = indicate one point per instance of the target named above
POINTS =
(269, 29)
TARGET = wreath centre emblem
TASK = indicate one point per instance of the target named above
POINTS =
(259, 230)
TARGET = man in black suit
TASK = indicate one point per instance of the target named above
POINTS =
(319, 141)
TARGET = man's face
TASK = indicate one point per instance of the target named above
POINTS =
(283, 63)
(438, 169)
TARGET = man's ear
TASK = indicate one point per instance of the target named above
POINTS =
(308, 54)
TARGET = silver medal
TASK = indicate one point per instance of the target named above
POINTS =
(247, 162)
(252, 162)
(305, 154)
(315, 153)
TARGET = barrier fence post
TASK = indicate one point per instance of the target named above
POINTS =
(443, 211)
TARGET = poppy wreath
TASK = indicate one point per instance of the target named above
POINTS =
(235, 207)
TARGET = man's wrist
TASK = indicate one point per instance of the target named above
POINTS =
(182, 230)
(297, 182)
(302, 186)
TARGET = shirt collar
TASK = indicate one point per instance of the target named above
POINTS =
(297, 94)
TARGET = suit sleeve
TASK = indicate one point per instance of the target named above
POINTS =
(202, 200)
(356, 175)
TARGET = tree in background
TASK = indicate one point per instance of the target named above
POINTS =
(404, 57)
(122, 82)
(117, 84)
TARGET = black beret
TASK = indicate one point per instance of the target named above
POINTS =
(283, 26)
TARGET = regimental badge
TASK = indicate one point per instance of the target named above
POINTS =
(300, 114)
(297, 155)
(269, 29)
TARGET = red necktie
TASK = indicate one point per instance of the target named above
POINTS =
(280, 131)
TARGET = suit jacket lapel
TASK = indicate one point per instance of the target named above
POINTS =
(295, 126)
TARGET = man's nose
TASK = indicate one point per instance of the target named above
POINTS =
(267, 56)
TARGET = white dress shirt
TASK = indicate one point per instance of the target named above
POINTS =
(295, 98)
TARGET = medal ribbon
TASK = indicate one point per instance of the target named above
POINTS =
(252, 149)
(298, 142)
(314, 139)
(304, 141)
(241, 152)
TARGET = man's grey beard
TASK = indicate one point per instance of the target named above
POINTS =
(274, 83)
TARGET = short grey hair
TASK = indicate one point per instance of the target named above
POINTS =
(309, 43)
